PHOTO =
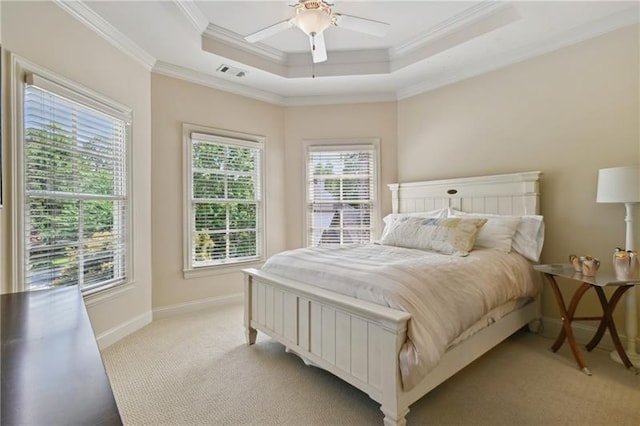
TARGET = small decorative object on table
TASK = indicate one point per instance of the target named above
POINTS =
(585, 265)
(590, 266)
(576, 261)
(626, 264)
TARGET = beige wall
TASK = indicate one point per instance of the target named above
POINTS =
(44, 34)
(173, 103)
(337, 122)
(567, 114)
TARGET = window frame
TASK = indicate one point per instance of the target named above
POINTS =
(230, 138)
(338, 145)
(22, 69)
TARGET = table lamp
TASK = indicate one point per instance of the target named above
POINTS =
(622, 185)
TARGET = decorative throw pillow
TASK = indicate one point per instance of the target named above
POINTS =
(454, 236)
(497, 233)
(528, 238)
(390, 219)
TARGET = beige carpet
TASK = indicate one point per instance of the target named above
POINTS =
(196, 370)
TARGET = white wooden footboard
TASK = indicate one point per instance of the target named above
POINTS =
(354, 340)
(360, 341)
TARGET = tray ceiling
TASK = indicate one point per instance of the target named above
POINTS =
(429, 43)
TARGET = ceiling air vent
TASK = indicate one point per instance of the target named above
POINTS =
(226, 69)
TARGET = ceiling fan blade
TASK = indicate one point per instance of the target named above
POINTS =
(362, 25)
(269, 31)
(318, 48)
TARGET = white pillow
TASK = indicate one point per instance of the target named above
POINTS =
(454, 236)
(497, 233)
(528, 238)
(392, 217)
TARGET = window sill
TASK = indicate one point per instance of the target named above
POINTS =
(207, 271)
(101, 296)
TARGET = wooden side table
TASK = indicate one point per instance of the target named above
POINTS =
(597, 282)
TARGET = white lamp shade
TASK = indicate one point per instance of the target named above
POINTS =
(619, 185)
(313, 21)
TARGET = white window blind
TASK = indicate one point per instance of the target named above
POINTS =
(226, 200)
(75, 191)
(341, 194)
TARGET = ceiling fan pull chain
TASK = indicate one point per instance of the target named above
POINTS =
(313, 51)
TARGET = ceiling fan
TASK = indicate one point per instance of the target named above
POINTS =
(313, 17)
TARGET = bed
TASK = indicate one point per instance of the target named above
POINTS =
(363, 342)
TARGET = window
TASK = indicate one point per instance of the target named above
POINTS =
(225, 208)
(75, 199)
(341, 202)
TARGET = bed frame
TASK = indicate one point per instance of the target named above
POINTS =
(359, 341)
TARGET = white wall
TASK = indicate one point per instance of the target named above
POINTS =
(44, 34)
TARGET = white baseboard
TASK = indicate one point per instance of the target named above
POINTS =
(114, 334)
(582, 332)
(196, 305)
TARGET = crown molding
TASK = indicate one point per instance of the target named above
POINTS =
(468, 16)
(193, 13)
(203, 79)
(232, 46)
(340, 99)
(341, 63)
(83, 13)
(568, 38)
(207, 80)
(347, 63)
(235, 40)
(450, 36)
(479, 19)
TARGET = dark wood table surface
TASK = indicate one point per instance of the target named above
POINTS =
(51, 369)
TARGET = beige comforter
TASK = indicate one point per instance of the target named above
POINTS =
(444, 294)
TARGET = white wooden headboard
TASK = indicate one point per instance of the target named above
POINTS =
(510, 194)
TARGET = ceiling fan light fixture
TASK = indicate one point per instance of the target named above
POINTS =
(313, 17)
(313, 21)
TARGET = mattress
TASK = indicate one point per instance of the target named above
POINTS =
(445, 295)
